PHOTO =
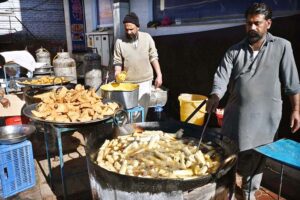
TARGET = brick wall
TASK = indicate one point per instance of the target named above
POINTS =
(44, 19)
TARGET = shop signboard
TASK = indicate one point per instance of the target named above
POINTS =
(77, 25)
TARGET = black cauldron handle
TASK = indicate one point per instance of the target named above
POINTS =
(120, 118)
(57, 89)
(226, 165)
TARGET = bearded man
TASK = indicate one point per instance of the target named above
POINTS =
(136, 54)
(254, 71)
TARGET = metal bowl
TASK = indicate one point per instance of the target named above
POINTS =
(158, 97)
(15, 133)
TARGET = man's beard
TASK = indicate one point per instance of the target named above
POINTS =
(253, 37)
(131, 36)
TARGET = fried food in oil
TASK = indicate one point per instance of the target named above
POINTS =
(155, 154)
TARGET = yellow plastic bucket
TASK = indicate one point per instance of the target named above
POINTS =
(188, 103)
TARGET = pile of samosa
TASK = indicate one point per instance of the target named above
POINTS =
(73, 105)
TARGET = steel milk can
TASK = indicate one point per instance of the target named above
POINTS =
(64, 65)
(43, 56)
(92, 70)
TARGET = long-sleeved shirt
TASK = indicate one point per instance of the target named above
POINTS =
(254, 108)
(136, 57)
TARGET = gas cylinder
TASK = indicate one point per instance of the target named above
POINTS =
(64, 65)
(92, 69)
(43, 56)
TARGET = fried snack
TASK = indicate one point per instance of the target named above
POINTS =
(43, 95)
(74, 105)
(155, 154)
(121, 77)
(45, 80)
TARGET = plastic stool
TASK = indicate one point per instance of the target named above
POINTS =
(136, 109)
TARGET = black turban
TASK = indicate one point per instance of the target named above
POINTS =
(131, 18)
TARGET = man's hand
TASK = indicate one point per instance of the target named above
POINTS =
(295, 115)
(156, 67)
(295, 121)
(118, 70)
(5, 102)
(212, 103)
(120, 77)
(158, 81)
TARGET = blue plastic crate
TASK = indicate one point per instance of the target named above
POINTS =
(16, 168)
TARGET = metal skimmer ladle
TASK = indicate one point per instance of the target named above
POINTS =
(204, 128)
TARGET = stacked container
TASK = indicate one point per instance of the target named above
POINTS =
(43, 56)
(64, 65)
(92, 69)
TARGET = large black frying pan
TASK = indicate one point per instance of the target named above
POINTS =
(27, 112)
(67, 79)
(32, 102)
(96, 135)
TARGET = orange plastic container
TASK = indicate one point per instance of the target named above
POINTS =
(15, 120)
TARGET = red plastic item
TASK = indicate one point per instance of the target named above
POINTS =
(15, 120)
(219, 114)
(166, 21)
(220, 119)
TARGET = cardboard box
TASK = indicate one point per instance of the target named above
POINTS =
(15, 108)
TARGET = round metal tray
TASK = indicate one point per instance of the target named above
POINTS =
(21, 81)
(15, 133)
(43, 73)
(27, 112)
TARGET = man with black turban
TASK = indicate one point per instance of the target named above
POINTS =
(136, 54)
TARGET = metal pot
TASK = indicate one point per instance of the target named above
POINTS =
(43, 56)
(43, 70)
(92, 68)
(105, 183)
(129, 99)
(64, 65)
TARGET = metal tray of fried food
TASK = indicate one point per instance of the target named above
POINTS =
(27, 112)
(50, 80)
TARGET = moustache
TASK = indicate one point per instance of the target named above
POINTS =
(253, 36)
(131, 36)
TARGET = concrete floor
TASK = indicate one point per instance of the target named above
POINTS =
(77, 176)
